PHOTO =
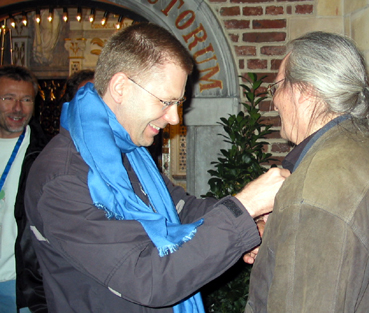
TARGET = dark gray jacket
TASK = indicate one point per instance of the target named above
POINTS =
(92, 264)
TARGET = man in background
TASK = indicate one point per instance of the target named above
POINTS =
(21, 140)
(76, 81)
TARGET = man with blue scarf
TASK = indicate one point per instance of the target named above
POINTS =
(111, 233)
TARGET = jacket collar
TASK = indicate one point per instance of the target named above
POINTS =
(294, 158)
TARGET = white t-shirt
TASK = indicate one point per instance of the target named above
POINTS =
(8, 229)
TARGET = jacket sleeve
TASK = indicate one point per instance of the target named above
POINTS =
(119, 254)
(189, 207)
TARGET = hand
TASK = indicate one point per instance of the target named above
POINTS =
(251, 256)
(258, 196)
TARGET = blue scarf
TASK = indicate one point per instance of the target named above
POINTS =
(101, 139)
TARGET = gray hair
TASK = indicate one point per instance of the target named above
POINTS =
(336, 70)
(19, 73)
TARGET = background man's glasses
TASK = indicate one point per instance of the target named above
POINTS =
(9, 100)
(166, 104)
(272, 88)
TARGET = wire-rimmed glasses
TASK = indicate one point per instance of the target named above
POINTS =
(10, 100)
(272, 88)
(166, 104)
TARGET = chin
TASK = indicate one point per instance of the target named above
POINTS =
(146, 143)
(16, 130)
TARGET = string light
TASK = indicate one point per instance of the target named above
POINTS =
(92, 15)
(79, 14)
(38, 16)
(118, 25)
(24, 18)
(12, 21)
(105, 18)
(65, 17)
(50, 17)
(65, 14)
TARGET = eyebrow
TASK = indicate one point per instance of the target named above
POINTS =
(14, 95)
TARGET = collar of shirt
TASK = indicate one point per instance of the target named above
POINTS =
(292, 157)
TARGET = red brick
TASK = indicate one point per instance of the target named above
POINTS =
(276, 121)
(266, 106)
(234, 37)
(264, 37)
(276, 161)
(273, 50)
(262, 24)
(274, 10)
(266, 148)
(271, 120)
(304, 9)
(236, 24)
(263, 89)
(257, 64)
(273, 135)
(246, 78)
(241, 64)
(281, 147)
(289, 10)
(232, 11)
(245, 50)
(270, 78)
(275, 64)
(252, 11)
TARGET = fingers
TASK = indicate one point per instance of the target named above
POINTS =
(261, 226)
(285, 173)
(279, 172)
(250, 256)
(258, 196)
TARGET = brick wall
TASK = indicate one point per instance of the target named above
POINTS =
(258, 33)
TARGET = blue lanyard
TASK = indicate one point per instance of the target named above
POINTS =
(11, 159)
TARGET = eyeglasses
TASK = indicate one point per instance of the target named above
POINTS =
(166, 104)
(272, 88)
(9, 100)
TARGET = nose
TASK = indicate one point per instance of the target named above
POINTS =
(17, 106)
(171, 115)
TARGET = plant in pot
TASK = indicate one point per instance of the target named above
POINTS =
(241, 163)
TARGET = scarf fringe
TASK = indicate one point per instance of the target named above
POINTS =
(109, 214)
(165, 250)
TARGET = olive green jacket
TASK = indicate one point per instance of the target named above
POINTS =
(314, 256)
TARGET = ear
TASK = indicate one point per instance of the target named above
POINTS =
(117, 86)
(305, 95)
